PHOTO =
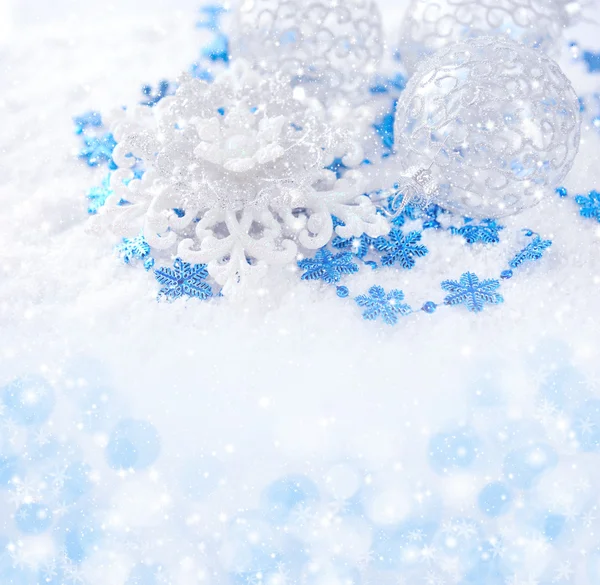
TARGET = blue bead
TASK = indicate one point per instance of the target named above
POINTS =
(494, 499)
(33, 518)
(133, 444)
(28, 401)
(562, 192)
(506, 274)
(342, 292)
(429, 307)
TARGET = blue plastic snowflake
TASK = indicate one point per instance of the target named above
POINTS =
(97, 196)
(131, 249)
(98, 150)
(379, 304)
(327, 266)
(164, 89)
(401, 248)
(472, 292)
(183, 279)
(88, 120)
(486, 232)
(533, 251)
(590, 205)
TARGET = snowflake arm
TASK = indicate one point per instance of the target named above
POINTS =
(533, 251)
(590, 205)
(472, 292)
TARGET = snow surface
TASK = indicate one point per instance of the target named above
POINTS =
(293, 381)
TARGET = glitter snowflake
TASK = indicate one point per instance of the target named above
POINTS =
(472, 292)
(590, 205)
(401, 248)
(486, 232)
(533, 251)
(388, 306)
(98, 150)
(131, 249)
(235, 177)
(183, 279)
(327, 266)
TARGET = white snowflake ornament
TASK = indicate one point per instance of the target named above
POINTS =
(234, 177)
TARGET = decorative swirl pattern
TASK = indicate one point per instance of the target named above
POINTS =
(434, 24)
(328, 47)
(496, 123)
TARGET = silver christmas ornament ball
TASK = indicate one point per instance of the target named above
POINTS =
(495, 124)
(433, 24)
(329, 47)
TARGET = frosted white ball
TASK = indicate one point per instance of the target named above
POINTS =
(433, 24)
(328, 47)
(493, 124)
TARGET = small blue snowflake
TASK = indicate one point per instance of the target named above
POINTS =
(379, 304)
(164, 89)
(471, 292)
(131, 249)
(98, 150)
(401, 248)
(486, 232)
(327, 267)
(97, 196)
(183, 279)
(533, 251)
(590, 205)
(88, 120)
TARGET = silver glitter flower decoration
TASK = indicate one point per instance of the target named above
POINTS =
(234, 177)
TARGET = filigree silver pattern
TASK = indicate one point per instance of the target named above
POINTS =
(433, 24)
(328, 47)
(496, 123)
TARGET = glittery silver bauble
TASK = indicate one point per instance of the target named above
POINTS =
(330, 47)
(495, 123)
(433, 24)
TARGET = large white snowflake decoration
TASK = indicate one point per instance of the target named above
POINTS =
(234, 177)
(328, 47)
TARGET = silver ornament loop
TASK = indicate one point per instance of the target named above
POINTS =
(330, 48)
(496, 123)
(431, 25)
